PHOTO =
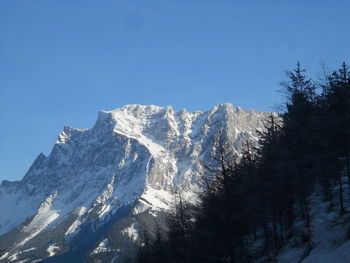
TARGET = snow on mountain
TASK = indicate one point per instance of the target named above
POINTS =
(132, 157)
(331, 236)
(102, 247)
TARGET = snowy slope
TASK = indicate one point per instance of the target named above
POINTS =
(330, 236)
(132, 157)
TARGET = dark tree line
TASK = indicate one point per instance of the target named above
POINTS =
(250, 208)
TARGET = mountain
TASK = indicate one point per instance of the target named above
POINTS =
(91, 198)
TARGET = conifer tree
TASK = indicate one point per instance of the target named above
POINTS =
(336, 111)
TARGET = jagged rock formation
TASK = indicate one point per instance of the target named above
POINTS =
(89, 198)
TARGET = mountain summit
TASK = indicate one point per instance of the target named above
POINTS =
(99, 186)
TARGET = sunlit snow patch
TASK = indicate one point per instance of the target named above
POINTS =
(102, 247)
(52, 249)
(131, 232)
(42, 219)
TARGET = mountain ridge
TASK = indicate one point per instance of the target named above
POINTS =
(132, 156)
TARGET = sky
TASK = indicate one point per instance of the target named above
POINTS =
(62, 61)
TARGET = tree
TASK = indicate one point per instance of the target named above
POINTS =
(299, 131)
(336, 112)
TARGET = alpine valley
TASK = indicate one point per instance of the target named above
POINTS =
(91, 197)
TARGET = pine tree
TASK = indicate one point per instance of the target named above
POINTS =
(336, 99)
(299, 130)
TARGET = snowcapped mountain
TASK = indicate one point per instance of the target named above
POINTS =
(91, 196)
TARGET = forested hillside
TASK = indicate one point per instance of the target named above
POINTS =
(262, 201)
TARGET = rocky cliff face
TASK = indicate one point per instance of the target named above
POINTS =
(98, 186)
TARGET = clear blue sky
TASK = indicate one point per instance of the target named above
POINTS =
(61, 61)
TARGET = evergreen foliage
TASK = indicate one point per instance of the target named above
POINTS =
(260, 195)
